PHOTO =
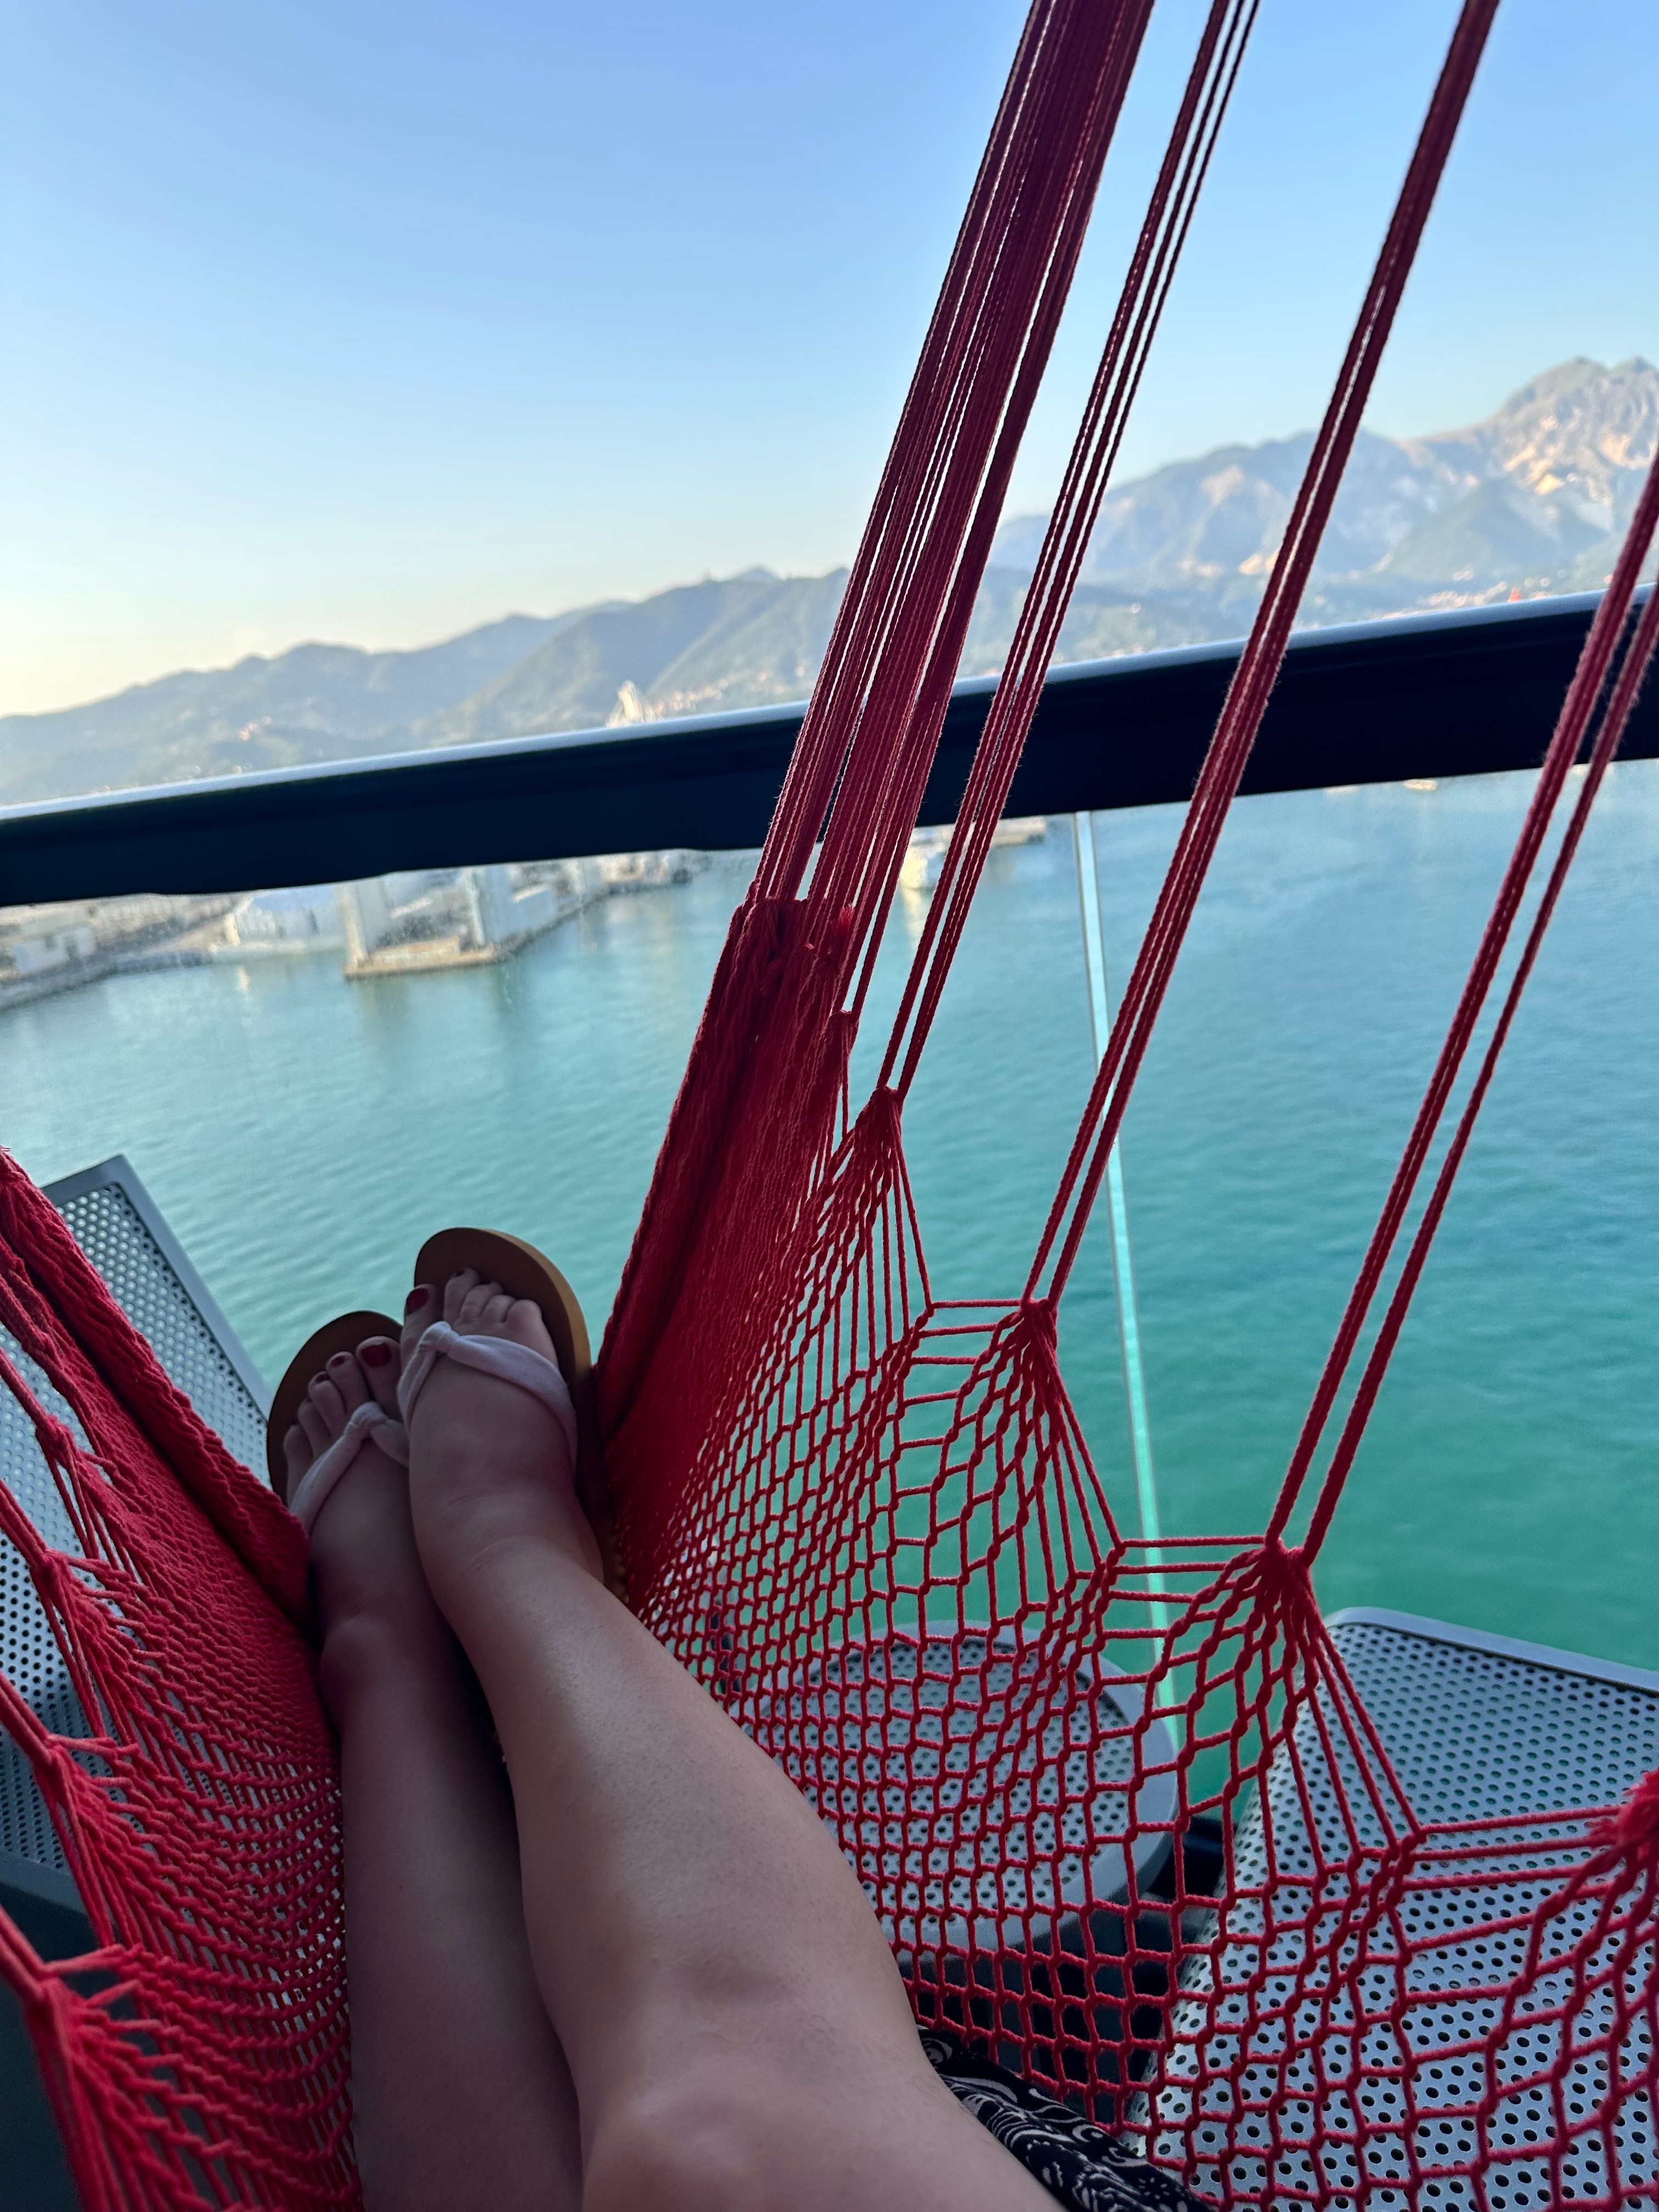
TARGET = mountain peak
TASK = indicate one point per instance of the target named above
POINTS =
(1566, 376)
(1571, 445)
(1581, 433)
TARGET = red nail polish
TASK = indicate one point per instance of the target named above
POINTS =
(340, 1359)
(417, 1296)
(374, 1355)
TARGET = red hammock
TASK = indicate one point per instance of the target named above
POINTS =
(866, 1517)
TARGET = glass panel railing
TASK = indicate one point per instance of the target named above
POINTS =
(508, 1044)
(1117, 1204)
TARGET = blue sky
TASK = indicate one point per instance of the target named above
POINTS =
(371, 323)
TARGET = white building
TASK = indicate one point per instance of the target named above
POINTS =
(39, 952)
(298, 920)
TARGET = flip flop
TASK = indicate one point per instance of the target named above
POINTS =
(343, 1333)
(525, 1272)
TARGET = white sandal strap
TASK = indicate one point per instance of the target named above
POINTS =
(491, 1355)
(369, 1425)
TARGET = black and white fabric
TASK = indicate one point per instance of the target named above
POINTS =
(1076, 2162)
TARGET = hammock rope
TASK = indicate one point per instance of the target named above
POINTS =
(1065, 538)
(867, 1518)
(879, 700)
(1612, 624)
(1259, 666)
(199, 2053)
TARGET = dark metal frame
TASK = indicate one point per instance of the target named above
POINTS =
(1462, 693)
(33, 2172)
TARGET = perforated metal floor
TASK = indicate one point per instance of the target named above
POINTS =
(1476, 1726)
(892, 1730)
(117, 1225)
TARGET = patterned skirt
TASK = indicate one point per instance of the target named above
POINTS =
(1076, 2162)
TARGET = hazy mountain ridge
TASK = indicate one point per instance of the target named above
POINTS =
(1223, 513)
(746, 641)
(1549, 479)
(1533, 499)
(313, 703)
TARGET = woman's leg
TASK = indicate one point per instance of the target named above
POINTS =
(734, 2023)
(460, 2094)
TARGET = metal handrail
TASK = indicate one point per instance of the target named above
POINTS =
(1461, 693)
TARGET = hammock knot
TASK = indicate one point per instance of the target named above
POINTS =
(1280, 1581)
(832, 942)
(1041, 1316)
(57, 1440)
(884, 1109)
(1633, 1828)
(1282, 1571)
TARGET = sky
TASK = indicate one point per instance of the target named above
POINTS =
(341, 320)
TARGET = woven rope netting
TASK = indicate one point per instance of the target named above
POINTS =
(867, 1518)
(200, 2054)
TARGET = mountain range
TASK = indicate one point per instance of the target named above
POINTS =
(1533, 500)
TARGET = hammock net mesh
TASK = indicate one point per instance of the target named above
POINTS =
(1117, 1803)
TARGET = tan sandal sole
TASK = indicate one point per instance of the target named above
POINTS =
(344, 1334)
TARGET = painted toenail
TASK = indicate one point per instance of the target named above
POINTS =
(340, 1359)
(375, 1355)
(417, 1296)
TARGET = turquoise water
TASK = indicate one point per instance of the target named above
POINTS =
(302, 1134)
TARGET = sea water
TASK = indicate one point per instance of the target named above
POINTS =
(303, 1134)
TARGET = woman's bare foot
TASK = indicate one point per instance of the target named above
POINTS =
(372, 1596)
(461, 2098)
(492, 1465)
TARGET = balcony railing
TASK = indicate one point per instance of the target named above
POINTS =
(1464, 693)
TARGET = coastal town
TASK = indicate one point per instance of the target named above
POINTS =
(385, 925)
(399, 925)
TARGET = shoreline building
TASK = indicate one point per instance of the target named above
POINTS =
(464, 918)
